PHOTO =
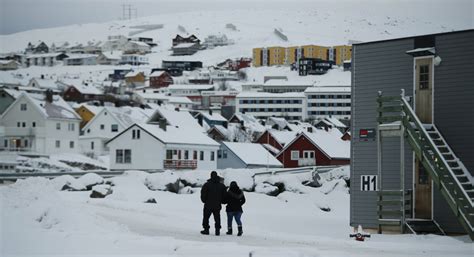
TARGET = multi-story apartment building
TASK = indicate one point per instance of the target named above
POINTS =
(262, 105)
(328, 101)
(276, 55)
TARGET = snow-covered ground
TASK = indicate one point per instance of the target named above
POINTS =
(39, 220)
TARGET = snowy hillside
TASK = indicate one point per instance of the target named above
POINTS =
(255, 28)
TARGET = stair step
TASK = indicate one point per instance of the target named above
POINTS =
(443, 149)
(467, 186)
(458, 171)
(453, 163)
(462, 178)
(389, 222)
(424, 227)
(439, 142)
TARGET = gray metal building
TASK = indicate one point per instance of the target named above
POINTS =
(437, 74)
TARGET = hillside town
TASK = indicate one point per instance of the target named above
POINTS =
(320, 131)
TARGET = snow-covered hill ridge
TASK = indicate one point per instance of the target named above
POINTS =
(255, 28)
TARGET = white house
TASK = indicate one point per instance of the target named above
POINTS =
(262, 105)
(171, 140)
(40, 124)
(329, 101)
(45, 59)
(43, 83)
(80, 59)
(114, 43)
(188, 90)
(133, 59)
(212, 41)
(136, 47)
(109, 58)
(109, 122)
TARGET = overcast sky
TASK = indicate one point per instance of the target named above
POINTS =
(21, 15)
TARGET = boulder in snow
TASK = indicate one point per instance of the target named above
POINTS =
(101, 191)
(90, 179)
(165, 181)
(151, 200)
(265, 188)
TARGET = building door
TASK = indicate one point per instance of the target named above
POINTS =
(424, 111)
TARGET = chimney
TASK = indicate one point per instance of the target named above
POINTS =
(49, 96)
(42, 76)
(200, 119)
(310, 129)
(176, 109)
(210, 112)
(162, 123)
(241, 123)
(326, 128)
(225, 124)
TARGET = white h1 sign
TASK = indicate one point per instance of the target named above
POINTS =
(368, 183)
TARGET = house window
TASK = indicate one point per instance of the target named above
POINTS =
(92, 145)
(295, 155)
(114, 127)
(123, 156)
(424, 76)
(58, 143)
(224, 154)
(195, 155)
(26, 142)
(22, 107)
(102, 126)
(169, 154)
(70, 127)
(5, 143)
(18, 124)
(212, 155)
(219, 154)
(186, 154)
(71, 144)
(308, 154)
(58, 126)
(201, 155)
(33, 124)
(23, 124)
(135, 134)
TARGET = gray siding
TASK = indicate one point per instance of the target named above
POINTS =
(231, 162)
(453, 96)
(385, 66)
(376, 67)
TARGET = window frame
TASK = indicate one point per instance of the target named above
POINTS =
(292, 155)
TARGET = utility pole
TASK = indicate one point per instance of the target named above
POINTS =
(128, 12)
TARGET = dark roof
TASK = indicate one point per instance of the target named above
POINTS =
(415, 36)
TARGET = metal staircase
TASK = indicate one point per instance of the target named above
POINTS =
(397, 118)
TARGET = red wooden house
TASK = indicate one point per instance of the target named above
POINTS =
(277, 139)
(160, 79)
(83, 93)
(318, 148)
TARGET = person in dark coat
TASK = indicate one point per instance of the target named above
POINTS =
(235, 199)
(213, 193)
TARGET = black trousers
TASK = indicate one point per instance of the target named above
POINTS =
(207, 214)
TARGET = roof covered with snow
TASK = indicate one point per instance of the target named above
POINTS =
(252, 154)
(87, 89)
(57, 109)
(330, 142)
(46, 83)
(180, 135)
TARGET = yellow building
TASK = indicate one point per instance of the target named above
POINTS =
(315, 51)
(87, 112)
(257, 57)
(276, 55)
(342, 53)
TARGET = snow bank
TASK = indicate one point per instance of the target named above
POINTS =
(130, 187)
(90, 179)
(166, 181)
(244, 178)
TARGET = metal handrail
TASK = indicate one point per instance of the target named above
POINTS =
(417, 122)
